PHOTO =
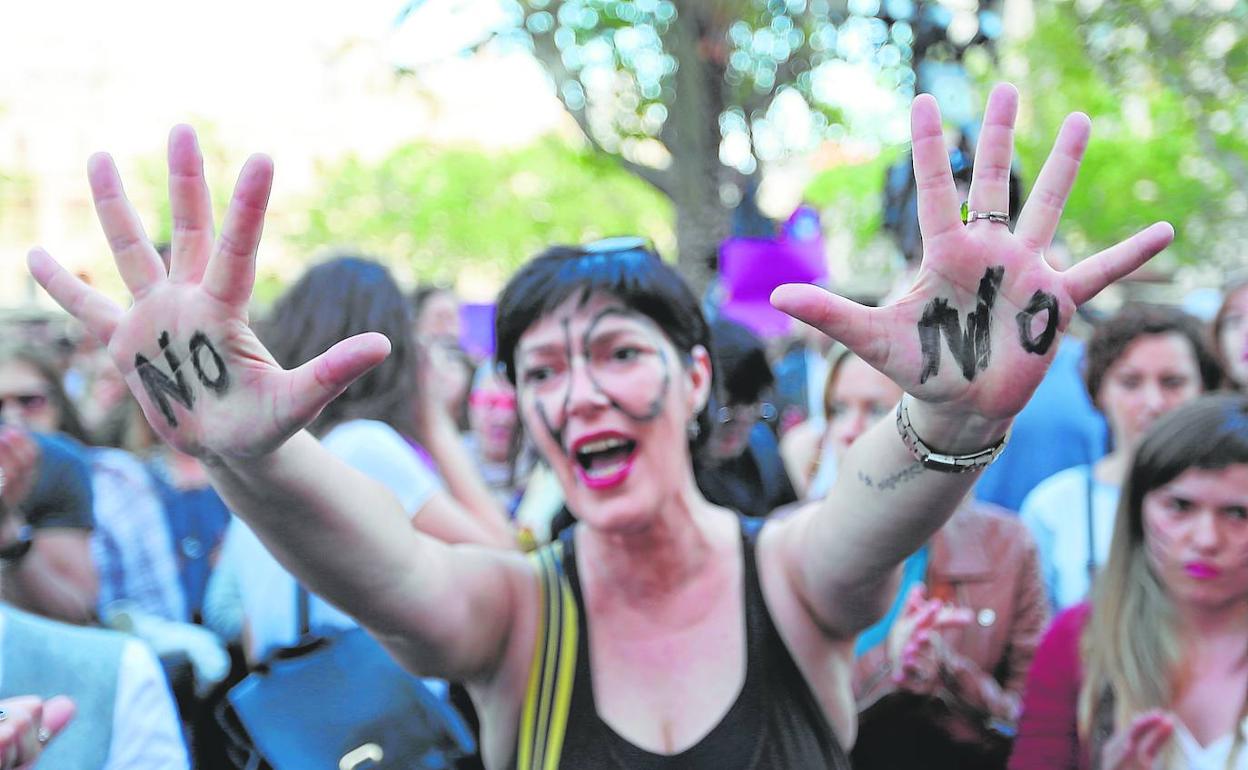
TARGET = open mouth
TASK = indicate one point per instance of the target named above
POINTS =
(605, 461)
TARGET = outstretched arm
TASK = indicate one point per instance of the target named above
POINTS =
(969, 344)
(209, 388)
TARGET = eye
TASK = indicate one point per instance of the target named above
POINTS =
(1174, 383)
(879, 410)
(626, 353)
(1179, 504)
(1130, 382)
(535, 375)
(1237, 512)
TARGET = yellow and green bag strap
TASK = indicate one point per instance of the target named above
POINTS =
(549, 693)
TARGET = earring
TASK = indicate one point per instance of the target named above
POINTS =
(693, 429)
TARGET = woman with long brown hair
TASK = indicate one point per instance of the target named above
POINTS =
(1154, 672)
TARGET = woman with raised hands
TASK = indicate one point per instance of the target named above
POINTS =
(682, 638)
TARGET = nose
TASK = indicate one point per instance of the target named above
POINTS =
(1153, 398)
(1204, 533)
(584, 395)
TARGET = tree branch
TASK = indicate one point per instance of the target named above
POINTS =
(549, 57)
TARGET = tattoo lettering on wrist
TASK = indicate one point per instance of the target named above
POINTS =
(162, 387)
(971, 347)
(891, 481)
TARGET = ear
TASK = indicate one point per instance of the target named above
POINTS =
(698, 374)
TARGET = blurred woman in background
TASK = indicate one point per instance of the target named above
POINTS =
(946, 665)
(1140, 363)
(1230, 331)
(1154, 673)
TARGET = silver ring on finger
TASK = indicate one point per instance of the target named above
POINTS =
(1000, 217)
(43, 736)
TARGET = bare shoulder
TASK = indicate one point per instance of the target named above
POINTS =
(825, 660)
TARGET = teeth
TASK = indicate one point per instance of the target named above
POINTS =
(602, 445)
(603, 472)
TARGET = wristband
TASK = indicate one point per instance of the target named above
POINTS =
(941, 461)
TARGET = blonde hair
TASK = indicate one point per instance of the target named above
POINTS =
(1131, 647)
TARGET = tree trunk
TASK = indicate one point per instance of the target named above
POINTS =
(692, 137)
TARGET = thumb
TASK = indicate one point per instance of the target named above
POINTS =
(852, 324)
(324, 378)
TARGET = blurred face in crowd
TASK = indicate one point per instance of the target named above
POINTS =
(731, 426)
(858, 397)
(1196, 536)
(492, 414)
(1233, 335)
(1154, 374)
(607, 399)
(439, 318)
(26, 398)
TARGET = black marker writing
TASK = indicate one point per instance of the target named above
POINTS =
(219, 384)
(656, 406)
(970, 347)
(1041, 302)
(161, 387)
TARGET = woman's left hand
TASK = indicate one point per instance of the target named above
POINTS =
(979, 327)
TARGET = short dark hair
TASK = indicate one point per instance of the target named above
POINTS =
(637, 276)
(740, 360)
(344, 296)
(1111, 337)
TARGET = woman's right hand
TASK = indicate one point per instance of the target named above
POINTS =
(1138, 745)
(27, 724)
(206, 384)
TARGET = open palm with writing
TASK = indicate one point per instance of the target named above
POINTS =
(206, 383)
(979, 327)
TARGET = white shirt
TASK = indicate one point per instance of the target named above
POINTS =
(146, 731)
(1056, 512)
(268, 590)
(1192, 756)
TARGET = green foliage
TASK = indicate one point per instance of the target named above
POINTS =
(855, 192)
(435, 212)
(1164, 145)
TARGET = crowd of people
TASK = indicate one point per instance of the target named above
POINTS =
(611, 544)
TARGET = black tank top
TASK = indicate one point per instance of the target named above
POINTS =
(775, 723)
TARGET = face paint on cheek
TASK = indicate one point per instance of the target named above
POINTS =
(656, 406)
(1161, 541)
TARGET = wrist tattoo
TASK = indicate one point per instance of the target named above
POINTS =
(893, 480)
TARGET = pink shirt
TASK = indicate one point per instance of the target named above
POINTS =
(1048, 737)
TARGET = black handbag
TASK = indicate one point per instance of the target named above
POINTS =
(338, 702)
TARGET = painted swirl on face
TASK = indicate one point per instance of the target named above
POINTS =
(656, 406)
(616, 400)
(972, 347)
